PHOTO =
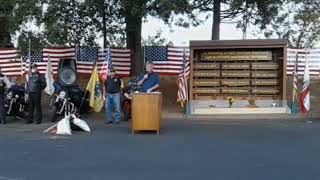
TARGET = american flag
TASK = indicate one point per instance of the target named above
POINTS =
(10, 63)
(40, 57)
(86, 58)
(306, 88)
(106, 64)
(120, 60)
(313, 56)
(182, 82)
(167, 60)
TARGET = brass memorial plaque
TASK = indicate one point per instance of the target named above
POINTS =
(235, 74)
(264, 74)
(235, 82)
(236, 66)
(237, 56)
(207, 66)
(215, 73)
(206, 82)
(265, 65)
(236, 90)
(206, 90)
(265, 90)
(264, 82)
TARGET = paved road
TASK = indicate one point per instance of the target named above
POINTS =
(186, 149)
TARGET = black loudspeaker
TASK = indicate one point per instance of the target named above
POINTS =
(67, 71)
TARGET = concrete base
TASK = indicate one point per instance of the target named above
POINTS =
(277, 110)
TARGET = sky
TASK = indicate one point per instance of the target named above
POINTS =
(181, 36)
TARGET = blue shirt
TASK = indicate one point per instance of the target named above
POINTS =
(151, 81)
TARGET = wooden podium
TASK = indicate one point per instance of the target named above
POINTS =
(146, 111)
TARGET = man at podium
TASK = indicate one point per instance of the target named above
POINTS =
(149, 81)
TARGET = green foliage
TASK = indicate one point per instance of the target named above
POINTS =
(67, 23)
(243, 12)
(37, 41)
(14, 14)
(156, 40)
(105, 16)
(298, 22)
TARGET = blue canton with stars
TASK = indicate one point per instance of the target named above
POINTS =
(156, 53)
(88, 54)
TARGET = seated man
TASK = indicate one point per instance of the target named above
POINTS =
(149, 81)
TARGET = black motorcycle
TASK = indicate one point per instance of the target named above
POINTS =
(67, 100)
(15, 102)
(126, 97)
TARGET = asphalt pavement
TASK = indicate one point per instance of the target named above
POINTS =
(186, 149)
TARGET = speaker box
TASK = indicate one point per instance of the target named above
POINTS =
(67, 71)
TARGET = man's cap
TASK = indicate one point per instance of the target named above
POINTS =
(112, 69)
(34, 65)
(149, 62)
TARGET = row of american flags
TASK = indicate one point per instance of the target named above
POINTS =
(296, 58)
(12, 64)
(167, 60)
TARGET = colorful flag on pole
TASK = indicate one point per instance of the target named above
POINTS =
(183, 83)
(295, 100)
(49, 78)
(95, 89)
(104, 71)
(305, 93)
(106, 64)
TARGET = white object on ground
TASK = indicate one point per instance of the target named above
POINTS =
(80, 123)
(63, 127)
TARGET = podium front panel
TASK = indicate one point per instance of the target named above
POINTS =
(146, 111)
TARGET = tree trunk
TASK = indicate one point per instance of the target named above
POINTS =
(216, 20)
(133, 32)
(5, 37)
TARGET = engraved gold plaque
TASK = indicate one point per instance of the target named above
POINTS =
(215, 73)
(265, 82)
(264, 74)
(235, 74)
(265, 90)
(236, 90)
(207, 66)
(237, 56)
(235, 82)
(206, 82)
(236, 66)
(206, 90)
(265, 65)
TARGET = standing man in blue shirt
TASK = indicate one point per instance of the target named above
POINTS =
(149, 81)
(113, 88)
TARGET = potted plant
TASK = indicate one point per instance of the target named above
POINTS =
(231, 100)
(252, 102)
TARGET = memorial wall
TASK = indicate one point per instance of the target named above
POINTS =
(244, 73)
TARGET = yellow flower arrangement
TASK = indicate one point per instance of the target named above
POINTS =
(231, 100)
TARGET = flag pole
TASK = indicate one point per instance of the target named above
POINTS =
(29, 56)
(27, 76)
(187, 105)
(294, 104)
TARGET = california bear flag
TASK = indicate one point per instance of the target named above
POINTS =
(305, 93)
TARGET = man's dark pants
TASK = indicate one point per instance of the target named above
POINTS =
(2, 109)
(35, 106)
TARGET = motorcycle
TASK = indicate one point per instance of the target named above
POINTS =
(67, 100)
(126, 97)
(15, 103)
